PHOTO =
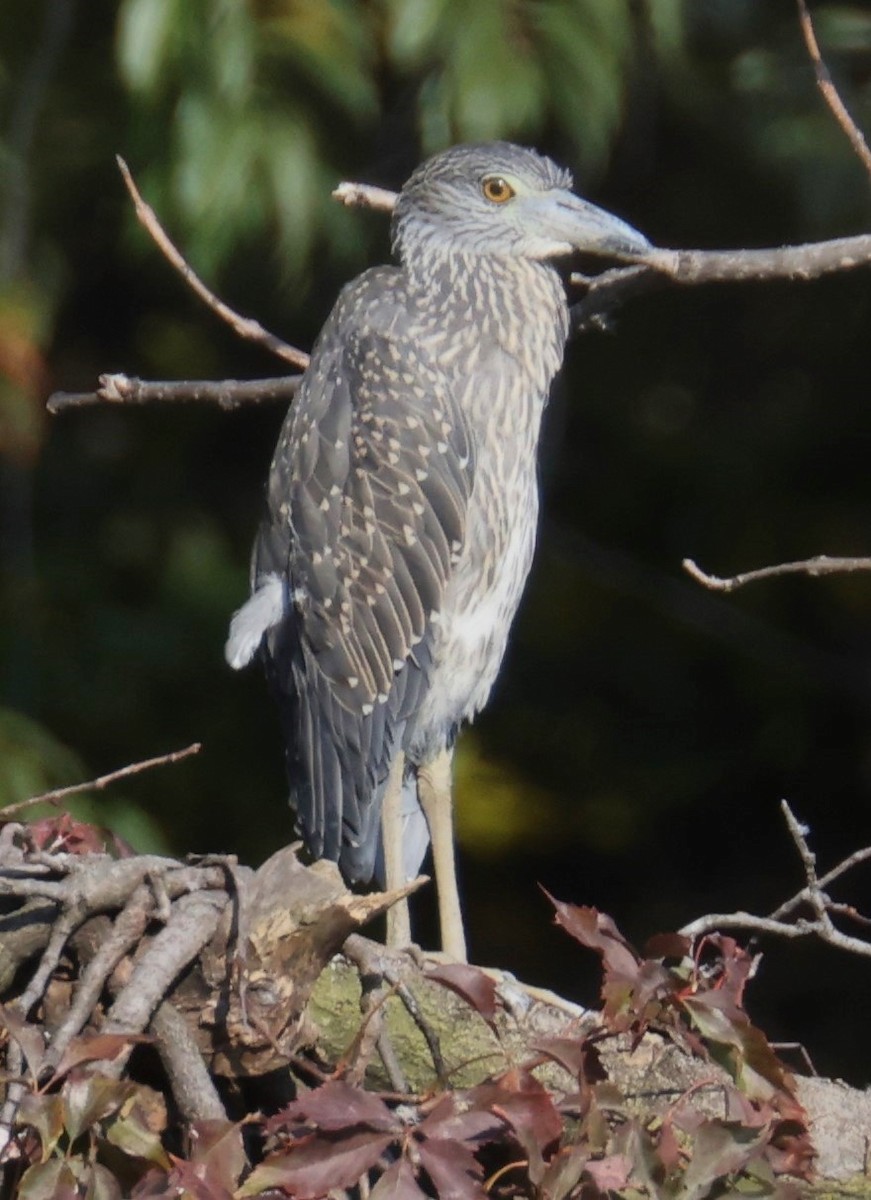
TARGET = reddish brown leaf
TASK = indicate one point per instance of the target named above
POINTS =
(28, 1037)
(336, 1105)
(791, 1151)
(453, 1169)
(65, 833)
(598, 932)
(579, 1056)
(93, 1047)
(398, 1183)
(154, 1185)
(315, 1165)
(610, 1174)
(667, 945)
(524, 1103)
(218, 1145)
(447, 1122)
(669, 1147)
(470, 983)
(194, 1180)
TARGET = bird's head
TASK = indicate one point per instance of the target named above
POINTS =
(500, 199)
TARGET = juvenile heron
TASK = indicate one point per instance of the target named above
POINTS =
(402, 506)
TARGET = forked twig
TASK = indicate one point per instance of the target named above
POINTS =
(245, 327)
(812, 895)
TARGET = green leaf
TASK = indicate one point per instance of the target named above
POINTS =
(144, 37)
(131, 1134)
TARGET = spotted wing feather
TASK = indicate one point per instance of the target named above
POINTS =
(368, 497)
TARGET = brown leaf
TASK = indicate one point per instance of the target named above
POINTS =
(610, 1174)
(217, 1146)
(65, 833)
(667, 945)
(471, 984)
(192, 1181)
(94, 1047)
(447, 1121)
(398, 1183)
(315, 1165)
(28, 1037)
(88, 1099)
(46, 1115)
(336, 1105)
(524, 1103)
(579, 1056)
(453, 1169)
(598, 932)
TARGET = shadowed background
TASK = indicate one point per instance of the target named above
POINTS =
(643, 730)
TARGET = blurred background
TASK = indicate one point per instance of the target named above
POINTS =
(643, 730)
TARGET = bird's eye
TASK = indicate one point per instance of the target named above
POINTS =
(497, 189)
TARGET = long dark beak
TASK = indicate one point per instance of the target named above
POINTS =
(583, 226)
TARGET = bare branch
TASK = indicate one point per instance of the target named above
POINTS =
(192, 1086)
(364, 195)
(129, 926)
(821, 564)
(226, 393)
(811, 895)
(191, 926)
(608, 291)
(103, 781)
(245, 327)
(830, 93)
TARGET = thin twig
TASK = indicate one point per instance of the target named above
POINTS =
(830, 93)
(103, 781)
(227, 394)
(821, 564)
(245, 327)
(812, 894)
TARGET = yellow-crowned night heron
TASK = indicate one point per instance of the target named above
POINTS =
(402, 506)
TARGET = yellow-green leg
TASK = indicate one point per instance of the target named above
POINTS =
(435, 794)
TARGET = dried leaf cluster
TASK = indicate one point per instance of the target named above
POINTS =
(100, 1119)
